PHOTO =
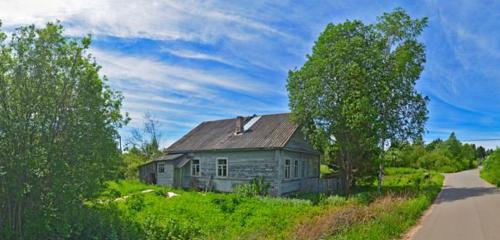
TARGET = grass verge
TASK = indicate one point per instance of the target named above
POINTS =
(197, 215)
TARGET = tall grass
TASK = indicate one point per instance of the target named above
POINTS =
(197, 215)
(367, 215)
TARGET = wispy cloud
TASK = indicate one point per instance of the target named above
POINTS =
(199, 56)
(190, 61)
(162, 20)
(155, 73)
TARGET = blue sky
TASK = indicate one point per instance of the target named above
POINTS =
(190, 61)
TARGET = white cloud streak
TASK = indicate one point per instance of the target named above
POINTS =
(161, 20)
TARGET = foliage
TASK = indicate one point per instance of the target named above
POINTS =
(143, 146)
(257, 187)
(206, 215)
(369, 215)
(166, 228)
(147, 140)
(58, 131)
(131, 162)
(491, 168)
(191, 215)
(325, 170)
(356, 91)
(443, 156)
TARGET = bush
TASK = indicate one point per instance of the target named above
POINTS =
(167, 228)
(136, 202)
(257, 187)
(491, 168)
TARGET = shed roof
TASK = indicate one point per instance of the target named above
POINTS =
(168, 157)
(269, 131)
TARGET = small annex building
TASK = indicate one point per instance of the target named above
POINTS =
(219, 155)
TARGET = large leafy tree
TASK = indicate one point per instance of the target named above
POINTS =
(58, 131)
(356, 92)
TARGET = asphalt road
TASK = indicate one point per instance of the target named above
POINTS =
(467, 208)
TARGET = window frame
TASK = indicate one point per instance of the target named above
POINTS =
(162, 168)
(217, 167)
(303, 169)
(198, 173)
(288, 172)
(296, 168)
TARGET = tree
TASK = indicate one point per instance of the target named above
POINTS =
(356, 91)
(480, 152)
(132, 159)
(148, 138)
(58, 131)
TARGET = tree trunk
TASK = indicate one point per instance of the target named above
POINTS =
(380, 177)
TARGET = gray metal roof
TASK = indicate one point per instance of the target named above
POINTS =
(270, 131)
(168, 157)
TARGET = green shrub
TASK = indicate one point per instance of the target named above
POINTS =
(136, 202)
(257, 187)
(167, 228)
(364, 198)
(491, 168)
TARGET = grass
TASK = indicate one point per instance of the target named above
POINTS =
(367, 215)
(198, 215)
(393, 214)
(210, 215)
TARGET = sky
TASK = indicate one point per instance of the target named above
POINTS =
(186, 62)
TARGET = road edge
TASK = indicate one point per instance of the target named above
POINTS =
(414, 229)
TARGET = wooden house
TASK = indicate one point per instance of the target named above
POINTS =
(220, 155)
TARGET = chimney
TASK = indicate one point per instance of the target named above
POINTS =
(239, 125)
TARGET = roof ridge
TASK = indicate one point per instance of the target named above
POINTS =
(262, 115)
(270, 131)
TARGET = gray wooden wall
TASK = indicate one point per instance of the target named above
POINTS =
(244, 165)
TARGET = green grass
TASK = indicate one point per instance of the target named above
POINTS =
(210, 215)
(191, 215)
(415, 190)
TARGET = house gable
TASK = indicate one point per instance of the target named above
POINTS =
(298, 142)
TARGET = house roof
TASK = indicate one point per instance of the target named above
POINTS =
(168, 157)
(269, 131)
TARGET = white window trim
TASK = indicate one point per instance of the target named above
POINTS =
(217, 167)
(287, 168)
(161, 163)
(296, 169)
(199, 168)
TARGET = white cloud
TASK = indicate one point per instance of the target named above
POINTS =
(155, 73)
(162, 20)
(199, 56)
(180, 96)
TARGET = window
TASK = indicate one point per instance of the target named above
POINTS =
(287, 168)
(303, 168)
(221, 167)
(161, 167)
(296, 168)
(195, 167)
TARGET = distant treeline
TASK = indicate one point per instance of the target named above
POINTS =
(445, 156)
